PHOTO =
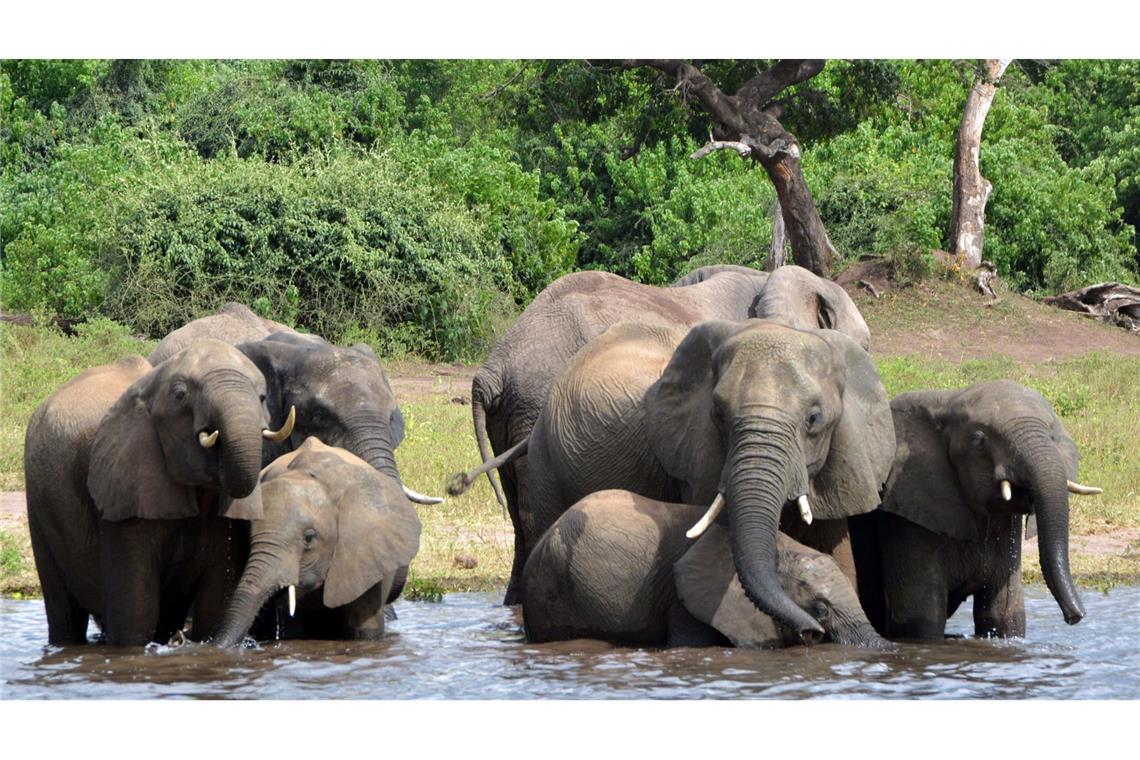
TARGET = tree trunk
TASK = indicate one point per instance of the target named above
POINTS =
(777, 255)
(971, 189)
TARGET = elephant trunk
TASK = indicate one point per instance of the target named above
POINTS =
(372, 442)
(265, 574)
(236, 409)
(764, 466)
(1048, 487)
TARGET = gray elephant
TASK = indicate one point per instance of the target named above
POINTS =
(508, 391)
(341, 395)
(768, 423)
(969, 466)
(335, 530)
(130, 471)
(233, 323)
(619, 567)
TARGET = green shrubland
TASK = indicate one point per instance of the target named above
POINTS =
(423, 203)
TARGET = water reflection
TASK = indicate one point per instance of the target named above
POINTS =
(470, 647)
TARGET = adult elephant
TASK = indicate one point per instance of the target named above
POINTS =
(619, 567)
(233, 323)
(341, 395)
(969, 465)
(332, 524)
(508, 391)
(751, 416)
(129, 472)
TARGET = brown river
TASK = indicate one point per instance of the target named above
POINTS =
(470, 647)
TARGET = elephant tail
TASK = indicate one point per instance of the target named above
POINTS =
(461, 481)
(479, 415)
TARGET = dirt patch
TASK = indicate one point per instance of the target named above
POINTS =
(414, 380)
(13, 510)
(1122, 542)
(948, 319)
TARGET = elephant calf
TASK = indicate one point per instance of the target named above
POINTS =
(969, 466)
(619, 567)
(334, 524)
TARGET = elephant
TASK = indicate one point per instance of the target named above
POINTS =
(757, 414)
(509, 389)
(233, 323)
(130, 470)
(341, 395)
(619, 567)
(331, 524)
(969, 465)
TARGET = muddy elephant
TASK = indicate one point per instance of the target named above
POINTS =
(969, 465)
(753, 417)
(619, 567)
(509, 389)
(130, 473)
(341, 395)
(337, 535)
(233, 323)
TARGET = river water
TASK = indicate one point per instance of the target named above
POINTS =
(470, 647)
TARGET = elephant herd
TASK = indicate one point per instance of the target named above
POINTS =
(712, 463)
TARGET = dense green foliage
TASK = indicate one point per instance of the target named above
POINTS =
(419, 204)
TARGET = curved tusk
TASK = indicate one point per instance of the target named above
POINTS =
(1083, 490)
(707, 520)
(286, 429)
(420, 498)
(292, 600)
(805, 508)
(1006, 491)
(208, 441)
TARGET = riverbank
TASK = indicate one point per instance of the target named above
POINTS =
(940, 334)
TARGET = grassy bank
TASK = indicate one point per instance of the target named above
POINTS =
(467, 543)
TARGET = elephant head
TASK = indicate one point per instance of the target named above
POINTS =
(758, 415)
(341, 395)
(330, 522)
(993, 449)
(710, 590)
(805, 300)
(196, 420)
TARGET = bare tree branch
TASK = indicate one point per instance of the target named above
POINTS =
(760, 89)
(713, 145)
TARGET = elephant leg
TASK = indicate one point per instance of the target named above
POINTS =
(999, 605)
(865, 543)
(684, 630)
(915, 588)
(67, 620)
(508, 477)
(226, 549)
(130, 569)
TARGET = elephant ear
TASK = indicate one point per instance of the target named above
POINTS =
(862, 441)
(246, 508)
(923, 487)
(709, 589)
(378, 532)
(679, 412)
(127, 474)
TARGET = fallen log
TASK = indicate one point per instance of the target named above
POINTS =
(65, 324)
(1109, 302)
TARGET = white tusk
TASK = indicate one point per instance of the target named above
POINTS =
(292, 600)
(1006, 491)
(419, 498)
(805, 508)
(1083, 490)
(704, 523)
(277, 436)
(208, 441)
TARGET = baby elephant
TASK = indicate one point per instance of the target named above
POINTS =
(617, 566)
(332, 523)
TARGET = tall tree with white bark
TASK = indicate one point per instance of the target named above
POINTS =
(971, 189)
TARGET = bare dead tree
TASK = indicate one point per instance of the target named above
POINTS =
(971, 189)
(749, 123)
(777, 255)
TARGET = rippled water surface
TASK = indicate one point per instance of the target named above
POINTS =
(470, 647)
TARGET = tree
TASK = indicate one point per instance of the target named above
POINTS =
(749, 122)
(971, 189)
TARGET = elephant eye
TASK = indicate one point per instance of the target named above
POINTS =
(978, 440)
(178, 391)
(819, 609)
(814, 419)
(309, 537)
